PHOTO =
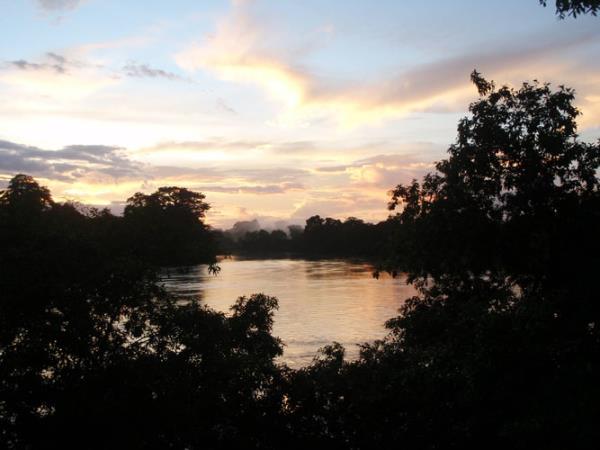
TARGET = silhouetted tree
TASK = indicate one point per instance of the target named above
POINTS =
(515, 178)
(23, 201)
(166, 227)
(24, 192)
(169, 198)
(95, 354)
(575, 7)
(501, 347)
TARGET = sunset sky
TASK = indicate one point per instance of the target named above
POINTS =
(276, 110)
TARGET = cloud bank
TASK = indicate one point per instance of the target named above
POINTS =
(68, 164)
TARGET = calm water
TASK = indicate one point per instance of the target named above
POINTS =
(319, 301)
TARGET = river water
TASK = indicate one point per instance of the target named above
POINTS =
(319, 301)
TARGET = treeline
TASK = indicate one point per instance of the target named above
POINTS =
(500, 348)
(320, 237)
(164, 228)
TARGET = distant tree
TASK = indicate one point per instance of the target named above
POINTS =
(295, 231)
(321, 237)
(166, 198)
(314, 222)
(167, 228)
(264, 242)
(349, 238)
(239, 229)
(575, 7)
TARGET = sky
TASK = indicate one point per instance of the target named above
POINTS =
(276, 110)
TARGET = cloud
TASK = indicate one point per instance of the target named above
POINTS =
(145, 71)
(236, 53)
(384, 171)
(275, 174)
(242, 51)
(332, 169)
(215, 143)
(222, 145)
(222, 150)
(293, 148)
(99, 175)
(58, 5)
(55, 76)
(341, 206)
(69, 164)
(26, 65)
(281, 188)
(283, 176)
(52, 62)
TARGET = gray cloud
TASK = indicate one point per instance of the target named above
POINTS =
(22, 64)
(296, 147)
(60, 64)
(67, 164)
(145, 71)
(50, 62)
(332, 169)
(58, 5)
(58, 58)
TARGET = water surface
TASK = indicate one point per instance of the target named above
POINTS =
(319, 301)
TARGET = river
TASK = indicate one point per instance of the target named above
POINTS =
(320, 301)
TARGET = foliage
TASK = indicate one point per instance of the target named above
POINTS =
(95, 354)
(167, 228)
(500, 348)
(575, 7)
(518, 181)
(169, 198)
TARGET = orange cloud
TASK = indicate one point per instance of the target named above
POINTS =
(241, 51)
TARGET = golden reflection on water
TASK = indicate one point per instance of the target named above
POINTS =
(319, 301)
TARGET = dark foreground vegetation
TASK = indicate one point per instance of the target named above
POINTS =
(501, 348)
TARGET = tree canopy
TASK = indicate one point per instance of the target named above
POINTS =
(515, 177)
(167, 198)
(167, 227)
